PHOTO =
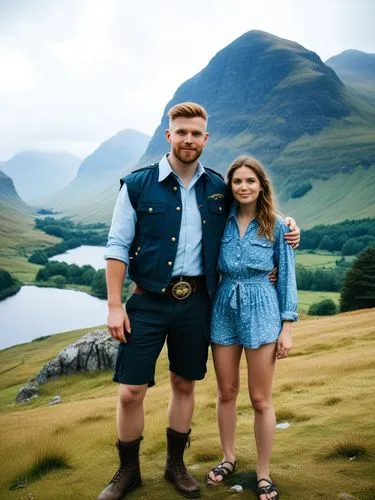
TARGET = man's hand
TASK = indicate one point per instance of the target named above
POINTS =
(293, 238)
(272, 276)
(117, 322)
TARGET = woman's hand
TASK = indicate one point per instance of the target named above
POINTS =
(284, 342)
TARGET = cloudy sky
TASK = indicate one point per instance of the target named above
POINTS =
(75, 72)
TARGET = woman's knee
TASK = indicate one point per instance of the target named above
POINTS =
(261, 403)
(131, 394)
(227, 392)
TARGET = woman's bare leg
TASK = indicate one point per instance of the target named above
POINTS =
(226, 363)
(261, 368)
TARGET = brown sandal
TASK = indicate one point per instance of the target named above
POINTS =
(220, 470)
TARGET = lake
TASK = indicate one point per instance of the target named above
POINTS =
(34, 312)
(85, 254)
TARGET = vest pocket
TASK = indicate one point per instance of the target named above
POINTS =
(150, 217)
(145, 255)
(217, 206)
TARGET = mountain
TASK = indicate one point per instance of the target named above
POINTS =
(357, 70)
(98, 177)
(37, 174)
(9, 198)
(17, 233)
(275, 100)
(354, 67)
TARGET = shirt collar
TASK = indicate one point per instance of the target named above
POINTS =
(233, 210)
(165, 169)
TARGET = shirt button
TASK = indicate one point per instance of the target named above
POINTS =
(174, 188)
(150, 209)
(178, 209)
(220, 208)
(173, 238)
(204, 222)
(163, 290)
(170, 263)
(138, 249)
(136, 253)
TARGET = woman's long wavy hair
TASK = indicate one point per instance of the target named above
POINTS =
(266, 209)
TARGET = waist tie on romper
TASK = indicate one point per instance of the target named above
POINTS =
(239, 296)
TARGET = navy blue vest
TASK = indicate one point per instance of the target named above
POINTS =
(158, 207)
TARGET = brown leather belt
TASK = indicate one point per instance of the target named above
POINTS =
(180, 288)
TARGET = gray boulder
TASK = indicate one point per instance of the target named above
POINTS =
(94, 351)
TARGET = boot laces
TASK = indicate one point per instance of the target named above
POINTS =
(181, 467)
(117, 477)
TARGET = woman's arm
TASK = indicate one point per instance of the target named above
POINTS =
(286, 289)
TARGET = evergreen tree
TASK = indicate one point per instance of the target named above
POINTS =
(358, 290)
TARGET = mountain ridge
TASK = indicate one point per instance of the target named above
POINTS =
(36, 173)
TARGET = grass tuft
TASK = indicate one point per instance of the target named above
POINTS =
(348, 449)
(285, 415)
(332, 401)
(40, 339)
(206, 457)
(41, 467)
(91, 418)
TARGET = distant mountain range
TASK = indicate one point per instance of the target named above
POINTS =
(313, 128)
(36, 174)
(91, 194)
(354, 67)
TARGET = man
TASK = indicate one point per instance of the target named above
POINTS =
(166, 231)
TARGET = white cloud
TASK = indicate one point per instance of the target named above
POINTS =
(76, 72)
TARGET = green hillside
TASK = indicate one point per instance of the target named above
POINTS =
(324, 390)
(17, 234)
(342, 196)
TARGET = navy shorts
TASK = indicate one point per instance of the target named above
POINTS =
(154, 318)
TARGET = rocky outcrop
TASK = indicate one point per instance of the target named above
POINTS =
(95, 351)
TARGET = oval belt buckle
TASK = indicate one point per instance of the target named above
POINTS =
(181, 290)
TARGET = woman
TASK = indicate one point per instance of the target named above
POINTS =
(251, 314)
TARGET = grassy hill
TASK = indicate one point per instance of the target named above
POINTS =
(325, 391)
(17, 234)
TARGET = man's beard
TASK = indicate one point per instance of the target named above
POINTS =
(190, 158)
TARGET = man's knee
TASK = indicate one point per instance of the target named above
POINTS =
(129, 395)
(181, 386)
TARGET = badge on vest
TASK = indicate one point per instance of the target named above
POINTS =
(216, 196)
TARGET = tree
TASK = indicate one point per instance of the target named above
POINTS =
(99, 286)
(58, 281)
(325, 307)
(38, 257)
(358, 290)
(327, 243)
(6, 279)
(304, 277)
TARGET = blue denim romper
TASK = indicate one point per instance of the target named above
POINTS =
(248, 310)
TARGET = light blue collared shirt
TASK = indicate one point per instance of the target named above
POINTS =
(188, 260)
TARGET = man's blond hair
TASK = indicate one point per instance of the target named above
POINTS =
(187, 110)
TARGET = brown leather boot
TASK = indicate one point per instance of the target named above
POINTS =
(175, 470)
(128, 476)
